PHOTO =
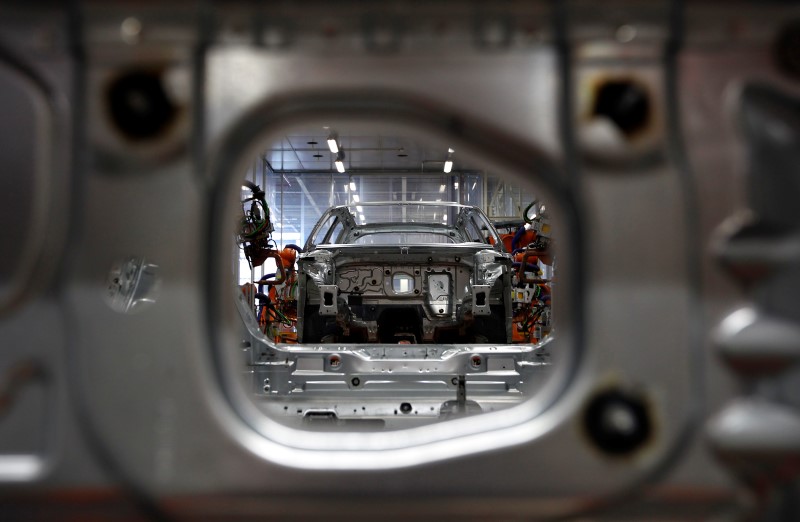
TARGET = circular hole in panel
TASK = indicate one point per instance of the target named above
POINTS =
(139, 105)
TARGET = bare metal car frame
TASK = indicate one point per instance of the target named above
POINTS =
(401, 288)
(451, 287)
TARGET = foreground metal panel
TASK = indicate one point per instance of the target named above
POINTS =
(651, 124)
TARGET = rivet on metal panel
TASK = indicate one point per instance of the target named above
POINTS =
(493, 31)
(277, 35)
(382, 35)
(625, 33)
(131, 30)
(476, 361)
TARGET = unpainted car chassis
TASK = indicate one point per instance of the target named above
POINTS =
(381, 386)
(452, 291)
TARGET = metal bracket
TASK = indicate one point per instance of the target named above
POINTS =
(480, 300)
(328, 295)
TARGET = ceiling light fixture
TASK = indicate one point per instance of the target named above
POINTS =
(448, 163)
(332, 144)
(356, 198)
(360, 209)
(442, 187)
(353, 185)
(340, 161)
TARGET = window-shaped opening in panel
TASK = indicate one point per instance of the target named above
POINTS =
(374, 293)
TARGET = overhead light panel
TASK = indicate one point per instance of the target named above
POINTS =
(340, 162)
(356, 198)
(448, 163)
(332, 144)
(353, 185)
(455, 185)
(442, 187)
(360, 209)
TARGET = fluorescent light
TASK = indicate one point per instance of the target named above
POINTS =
(455, 185)
(442, 187)
(356, 198)
(339, 165)
(359, 209)
(450, 151)
(444, 217)
(352, 185)
(448, 166)
(473, 185)
(333, 145)
(362, 218)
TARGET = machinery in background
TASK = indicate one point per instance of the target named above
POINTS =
(255, 232)
(276, 309)
(531, 285)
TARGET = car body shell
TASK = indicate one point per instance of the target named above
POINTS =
(414, 279)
